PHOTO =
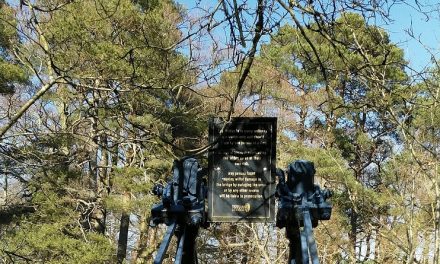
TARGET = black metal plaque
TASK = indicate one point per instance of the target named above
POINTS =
(242, 170)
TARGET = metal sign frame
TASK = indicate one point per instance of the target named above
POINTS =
(243, 151)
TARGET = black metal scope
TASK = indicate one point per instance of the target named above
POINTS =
(182, 209)
(298, 193)
(183, 198)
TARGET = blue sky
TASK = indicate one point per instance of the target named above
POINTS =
(404, 18)
(427, 29)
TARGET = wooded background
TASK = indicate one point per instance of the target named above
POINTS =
(98, 97)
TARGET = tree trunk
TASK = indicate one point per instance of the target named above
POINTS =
(368, 250)
(353, 234)
(378, 242)
(123, 237)
(436, 224)
(141, 251)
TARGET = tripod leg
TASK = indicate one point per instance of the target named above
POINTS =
(304, 248)
(189, 247)
(186, 250)
(294, 236)
(310, 238)
(165, 243)
(180, 247)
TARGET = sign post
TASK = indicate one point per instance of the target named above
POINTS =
(241, 180)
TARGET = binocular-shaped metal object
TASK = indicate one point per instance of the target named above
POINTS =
(298, 193)
(183, 198)
(182, 209)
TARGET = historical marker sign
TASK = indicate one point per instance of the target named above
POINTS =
(242, 170)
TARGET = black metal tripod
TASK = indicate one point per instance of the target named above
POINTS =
(301, 242)
(301, 205)
(182, 210)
